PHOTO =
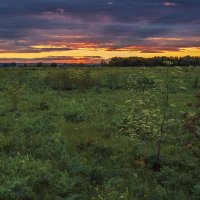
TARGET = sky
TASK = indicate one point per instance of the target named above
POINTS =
(86, 31)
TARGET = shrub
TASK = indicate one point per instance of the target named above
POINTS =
(196, 191)
(110, 193)
(144, 82)
(75, 116)
(19, 175)
(34, 125)
(18, 189)
(70, 79)
(100, 150)
(195, 83)
(43, 106)
(112, 81)
(140, 121)
(14, 92)
(75, 112)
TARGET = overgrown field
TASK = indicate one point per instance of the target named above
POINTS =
(100, 134)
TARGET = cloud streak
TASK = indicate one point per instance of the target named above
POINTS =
(169, 4)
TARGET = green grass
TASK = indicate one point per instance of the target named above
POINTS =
(59, 135)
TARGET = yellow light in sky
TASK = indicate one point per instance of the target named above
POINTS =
(102, 52)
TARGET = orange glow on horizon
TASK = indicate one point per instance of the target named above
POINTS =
(84, 55)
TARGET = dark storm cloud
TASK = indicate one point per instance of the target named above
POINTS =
(108, 23)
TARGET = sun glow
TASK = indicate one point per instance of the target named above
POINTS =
(84, 53)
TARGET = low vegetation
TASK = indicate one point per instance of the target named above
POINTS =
(100, 133)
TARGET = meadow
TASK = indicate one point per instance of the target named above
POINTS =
(100, 133)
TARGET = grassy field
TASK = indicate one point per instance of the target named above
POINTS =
(94, 134)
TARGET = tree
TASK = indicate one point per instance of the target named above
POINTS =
(39, 64)
(155, 61)
(13, 64)
(148, 117)
(103, 63)
(53, 65)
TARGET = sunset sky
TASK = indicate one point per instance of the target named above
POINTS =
(91, 30)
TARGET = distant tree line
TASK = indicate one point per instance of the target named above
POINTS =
(39, 64)
(120, 62)
(50, 65)
(155, 61)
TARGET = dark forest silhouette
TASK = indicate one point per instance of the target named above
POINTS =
(121, 62)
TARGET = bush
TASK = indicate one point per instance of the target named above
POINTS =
(196, 191)
(34, 125)
(19, 176)
(43, 106)
(70, 79)
(144, 82)
(75, 116)
(112, 81)
(110, 193)
(195, 83)
(75, 112)
(17, 189)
